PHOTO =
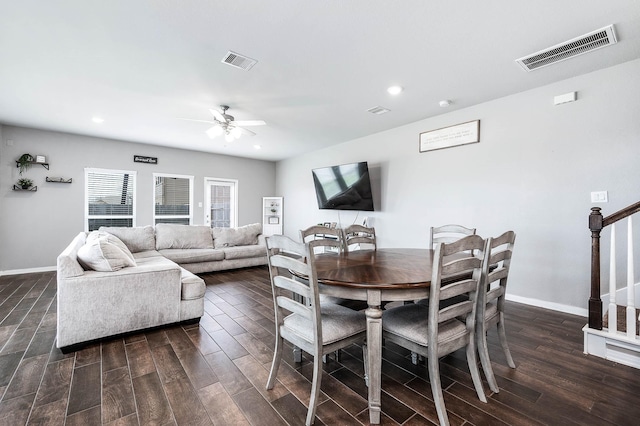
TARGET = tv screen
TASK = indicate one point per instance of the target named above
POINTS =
(344, 187)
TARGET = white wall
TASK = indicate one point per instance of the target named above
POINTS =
(532, 172)
(36, 226)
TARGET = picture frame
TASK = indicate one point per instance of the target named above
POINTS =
(333, 225)
(327, 224)
(274, 220)
(447, 137)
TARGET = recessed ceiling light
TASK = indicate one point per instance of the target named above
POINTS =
(257, 147)
(445, 103)
(97, 120)
(395, 90)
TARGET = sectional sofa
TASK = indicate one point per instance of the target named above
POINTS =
(117, 280)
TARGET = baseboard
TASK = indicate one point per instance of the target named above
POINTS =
(568, 309)
(28, 270)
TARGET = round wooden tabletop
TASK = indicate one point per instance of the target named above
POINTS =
(384, 268)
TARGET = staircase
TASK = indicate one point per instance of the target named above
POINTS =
(614, 336)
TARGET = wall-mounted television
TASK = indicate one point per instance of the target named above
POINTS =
(343, 187)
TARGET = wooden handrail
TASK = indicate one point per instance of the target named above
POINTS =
(596, 224)
(627, 211)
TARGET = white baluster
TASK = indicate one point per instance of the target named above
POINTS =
(631, 302)
(613, 309)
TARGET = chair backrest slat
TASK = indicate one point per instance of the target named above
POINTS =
(359, 234)
(323, 237)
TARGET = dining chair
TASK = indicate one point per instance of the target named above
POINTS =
(448, 234)
(434, 331)
(491, 309)
(359, 234)
(328, 238)
(316, 329)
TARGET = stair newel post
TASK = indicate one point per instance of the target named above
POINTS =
(595, 302)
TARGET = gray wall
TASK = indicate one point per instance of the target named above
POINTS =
(532, 172)
(36, 226)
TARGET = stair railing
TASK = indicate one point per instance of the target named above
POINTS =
(596, 223)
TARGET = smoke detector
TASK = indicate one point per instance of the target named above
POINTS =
(577, 46)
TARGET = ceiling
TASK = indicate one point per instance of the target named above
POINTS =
(142, 64)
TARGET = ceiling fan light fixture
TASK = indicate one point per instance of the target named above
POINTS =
(229, 137)
(236, 132)
(214, 131)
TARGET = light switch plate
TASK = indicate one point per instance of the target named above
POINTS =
(599, 197)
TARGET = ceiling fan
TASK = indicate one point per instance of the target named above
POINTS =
(225, 124)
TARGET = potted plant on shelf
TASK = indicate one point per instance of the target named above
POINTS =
(25, 183)
(24, 162)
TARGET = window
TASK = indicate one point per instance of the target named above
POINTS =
(222, 203)
(172, 199)
(109, 198)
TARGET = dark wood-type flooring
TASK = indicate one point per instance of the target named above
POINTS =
(215, 372)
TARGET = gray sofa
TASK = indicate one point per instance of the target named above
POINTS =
(118, 280)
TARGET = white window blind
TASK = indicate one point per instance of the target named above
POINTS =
(109, 198)
(173, 199)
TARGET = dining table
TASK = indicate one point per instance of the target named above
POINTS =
(375, 276)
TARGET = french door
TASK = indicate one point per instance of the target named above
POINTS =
(221, 203)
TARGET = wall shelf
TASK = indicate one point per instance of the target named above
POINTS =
(45, 165)
(58, 179)
(18, 188)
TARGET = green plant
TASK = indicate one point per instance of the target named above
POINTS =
(25, 183)
(24, 162)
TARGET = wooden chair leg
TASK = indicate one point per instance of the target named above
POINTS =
(473, 368)
(483, 351)
(275, 365)
(502, 334)
(315, 389)
(436, 389)
(365, 358)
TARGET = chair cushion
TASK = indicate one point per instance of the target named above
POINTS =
(172, 236)
(105, 253)
(411, 321)
(137, 239)
(241, 236)
(338, 323)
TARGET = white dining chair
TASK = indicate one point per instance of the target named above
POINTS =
(356, 235)
(491, 310)
(316, 329)
(448, 234)
(434, 331)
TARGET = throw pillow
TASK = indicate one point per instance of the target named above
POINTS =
(137, 239)
(103, 253)
(172, 236)
(241, 236)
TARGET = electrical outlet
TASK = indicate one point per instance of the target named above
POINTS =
(599, 197)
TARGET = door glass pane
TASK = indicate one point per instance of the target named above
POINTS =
(220, 206)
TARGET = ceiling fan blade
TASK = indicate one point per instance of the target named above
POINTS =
(250, 122)
(217, 115)
(245, 131)
(199, 121)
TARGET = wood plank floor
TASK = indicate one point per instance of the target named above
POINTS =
(215, 372)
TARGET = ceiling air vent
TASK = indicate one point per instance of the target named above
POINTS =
(574, 47)
(378, 110)
(239, 61)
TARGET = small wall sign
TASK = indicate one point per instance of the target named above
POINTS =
(460, 134)
(144, 159)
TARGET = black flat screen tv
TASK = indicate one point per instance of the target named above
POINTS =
(344, 187)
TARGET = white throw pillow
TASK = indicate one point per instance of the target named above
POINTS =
(104, 253)
(241, 236)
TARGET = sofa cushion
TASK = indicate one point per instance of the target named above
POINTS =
(172, 236)
(104, 253)
(139, 238)
(111, 239)
(243, 252)
(241, 236)
(192, 255)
